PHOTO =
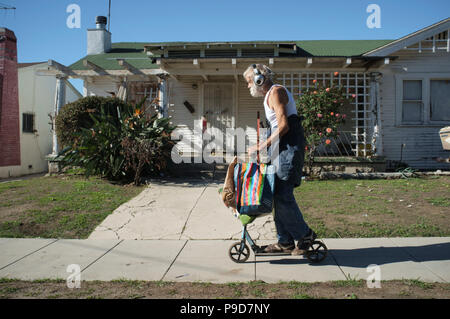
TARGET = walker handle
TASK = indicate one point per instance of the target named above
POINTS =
(257, 137)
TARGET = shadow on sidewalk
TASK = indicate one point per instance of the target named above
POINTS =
(362, 257)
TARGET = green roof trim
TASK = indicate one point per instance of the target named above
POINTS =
(344, 48)
(133, 52)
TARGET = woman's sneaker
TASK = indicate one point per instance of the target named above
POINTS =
(304, 243)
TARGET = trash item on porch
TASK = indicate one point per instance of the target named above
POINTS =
(445, 137)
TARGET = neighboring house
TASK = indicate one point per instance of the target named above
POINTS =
(36, 105)
(402, 86)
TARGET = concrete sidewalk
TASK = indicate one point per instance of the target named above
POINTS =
(426, 259)
(179, 209)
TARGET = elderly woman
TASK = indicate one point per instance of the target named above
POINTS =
(287, 144)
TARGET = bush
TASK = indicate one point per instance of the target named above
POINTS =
(76, 115)
(120, 143)
(321, 108)
(146, 142)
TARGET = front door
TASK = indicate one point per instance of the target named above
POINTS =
(218, 111)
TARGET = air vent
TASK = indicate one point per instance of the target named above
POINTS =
(257, 53)
(184, 54)
(220, 53)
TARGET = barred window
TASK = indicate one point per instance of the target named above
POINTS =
(27, 122)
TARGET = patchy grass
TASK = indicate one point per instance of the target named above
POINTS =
(62, 206)
(377, 208)
(132, 289)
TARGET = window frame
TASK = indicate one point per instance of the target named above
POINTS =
(33, 129)
(429, 101)
(426, 98)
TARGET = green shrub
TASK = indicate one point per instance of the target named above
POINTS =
(146, 143)
(74, 116)
(120, 143)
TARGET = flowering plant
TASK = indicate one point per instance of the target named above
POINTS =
(321, 108)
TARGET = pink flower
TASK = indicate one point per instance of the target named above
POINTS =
(332, 113)
(337, 114)
(336, 73)
(328, 142)
(320, 133)
(335, 101)
(353, 95)
(329, 130)
(327, 89)
(319, 115)
(315, 92)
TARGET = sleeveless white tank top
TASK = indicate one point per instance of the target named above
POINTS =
(270, 114)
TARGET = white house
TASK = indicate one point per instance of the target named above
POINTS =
(402, 86)
(36, 102)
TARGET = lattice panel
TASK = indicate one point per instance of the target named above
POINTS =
(357, 83)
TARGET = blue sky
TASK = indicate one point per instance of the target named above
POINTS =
(40, 25)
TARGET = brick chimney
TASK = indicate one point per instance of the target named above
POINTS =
(9, 100)
(98, 39)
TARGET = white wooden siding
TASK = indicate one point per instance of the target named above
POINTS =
(422, 141)
(247, 111)
(178, 92)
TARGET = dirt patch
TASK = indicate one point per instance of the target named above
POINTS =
(405, 289)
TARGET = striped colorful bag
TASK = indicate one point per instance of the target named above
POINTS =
(254, 184)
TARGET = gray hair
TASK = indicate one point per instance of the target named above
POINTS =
(264, 69)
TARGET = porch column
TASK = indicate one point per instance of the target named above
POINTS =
(60, 97)
(375, 114)
(163, 111)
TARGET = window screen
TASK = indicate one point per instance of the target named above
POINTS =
(27, 123)
(412, 101)
(440, 100)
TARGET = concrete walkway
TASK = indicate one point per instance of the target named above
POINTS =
(426, 259)
(179, 210)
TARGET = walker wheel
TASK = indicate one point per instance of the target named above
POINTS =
(317, 252)
(239, 252)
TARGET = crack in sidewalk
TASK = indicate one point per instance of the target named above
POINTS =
(190, 212)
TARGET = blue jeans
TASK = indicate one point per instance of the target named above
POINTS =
(288, 217)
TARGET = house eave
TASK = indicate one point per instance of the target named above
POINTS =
(410, 39)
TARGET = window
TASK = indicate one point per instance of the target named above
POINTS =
(440, 100)
(27, 122)
(412, 101)
(422, 99)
